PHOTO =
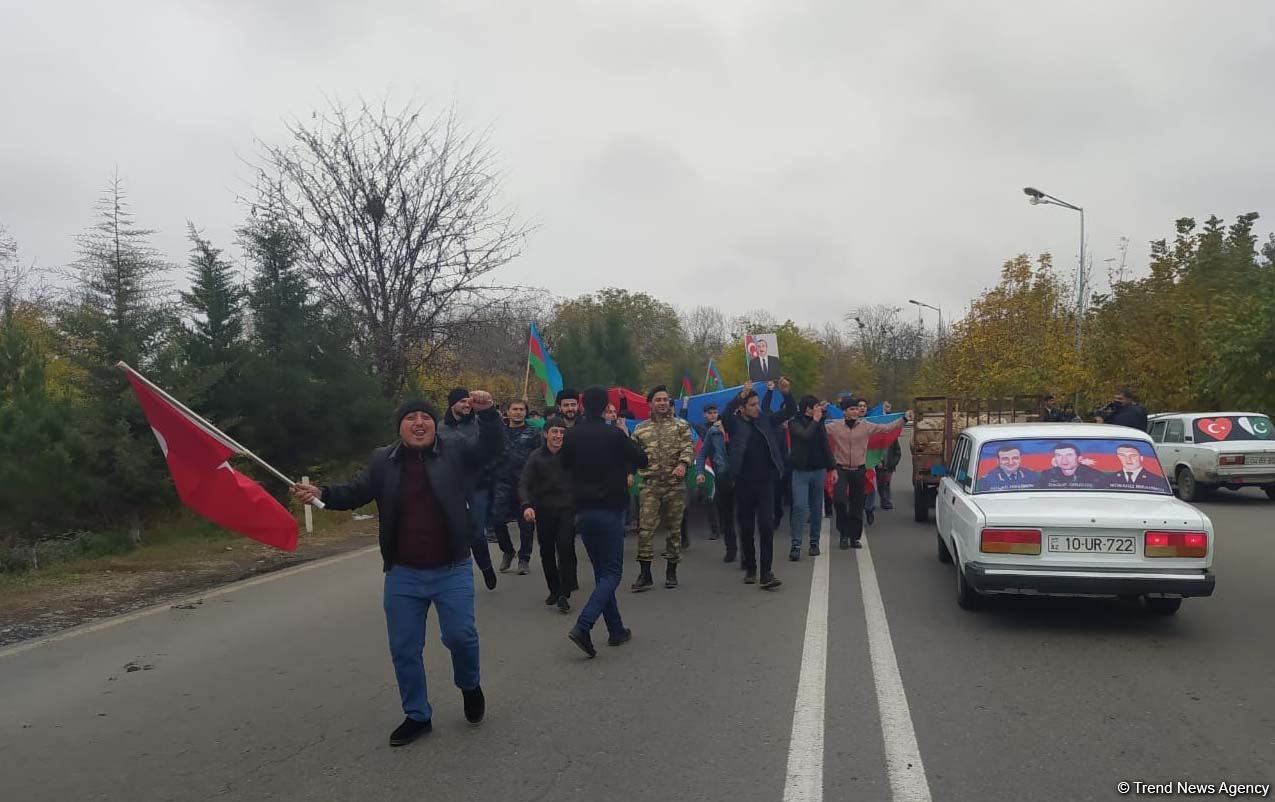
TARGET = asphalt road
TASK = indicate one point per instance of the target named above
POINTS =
(281, 688)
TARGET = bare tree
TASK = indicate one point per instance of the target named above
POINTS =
(400, 223)
(706, 331)
(890, 345)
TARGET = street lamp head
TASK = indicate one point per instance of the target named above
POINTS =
(1033, 193)
(918, 303)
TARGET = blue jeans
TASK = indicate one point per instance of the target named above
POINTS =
(602, 532)
(409, 592)
(807, 505)
(479, 510)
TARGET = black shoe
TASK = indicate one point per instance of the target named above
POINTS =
(845, 542)
(409, 731)
(731, 556)
(795, 553)
(750, 577)
(644, 580)
(506, 560)
(887, 506)
(581, 638)
(551, 600)
(768, 582)
(623, 638)
(491, 538)
(564, 606)
(670, 576)
(855, 544)
(814, 550)
(872, 517)
(686, 543)
(489, 577)
(524, 567)
(475, 705)
(714, 536)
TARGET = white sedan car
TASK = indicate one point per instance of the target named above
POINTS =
(1069, 509)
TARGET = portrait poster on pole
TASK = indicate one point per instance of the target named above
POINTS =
(762, 353)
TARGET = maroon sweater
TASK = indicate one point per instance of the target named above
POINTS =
(421, 540)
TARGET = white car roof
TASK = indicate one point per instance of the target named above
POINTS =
(1205, 414)
(1044, 431)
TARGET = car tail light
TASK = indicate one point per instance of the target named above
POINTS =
(1231, 459)
(1010, 541)
(1176, 544)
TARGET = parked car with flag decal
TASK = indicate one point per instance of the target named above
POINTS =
(1068, 509)
(1204, 451)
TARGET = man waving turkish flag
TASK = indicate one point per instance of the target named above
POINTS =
(197, 458)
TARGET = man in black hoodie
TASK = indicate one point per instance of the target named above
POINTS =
(811, 460)
(545, 493)
(418, 485)
(599, 460)
(460, 423)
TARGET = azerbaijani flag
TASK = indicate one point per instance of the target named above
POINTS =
(879, 443)
(713, 379)
(542, 365)
(688, 389)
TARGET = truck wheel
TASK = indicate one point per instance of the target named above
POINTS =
(966, 597)
(1188, 488)
(1163, 606)
(920, 502)
(945, 556)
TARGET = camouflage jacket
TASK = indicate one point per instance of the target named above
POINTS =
(667, 443)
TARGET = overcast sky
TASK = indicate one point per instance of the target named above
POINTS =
(804, 157)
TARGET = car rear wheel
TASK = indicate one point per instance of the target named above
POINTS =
(1163, 606)
(1188, 488)
(920, 502)
(1270, 492)
(966, 597)
(945, 556)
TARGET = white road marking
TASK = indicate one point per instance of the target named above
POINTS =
(805, 748)
(159, 608)
(902, 755)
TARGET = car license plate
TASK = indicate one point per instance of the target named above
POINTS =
(1263, 459)
(1094, 544)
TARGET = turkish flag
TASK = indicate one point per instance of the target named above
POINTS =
(205, 481)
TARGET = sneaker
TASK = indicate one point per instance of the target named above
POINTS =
(795, 553)
(475, 704)
(872, 517)
(564, 606)
(768, 582)
(524, 567)
(506, 560)
(750, 577)
(855, 544)
(489, 577)
(814, 550)
(845, 542)
(887, 506)
(618, 640)
(551, 600)
(581, 638)
(409, 731)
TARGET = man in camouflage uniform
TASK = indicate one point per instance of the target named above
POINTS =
(666, 439)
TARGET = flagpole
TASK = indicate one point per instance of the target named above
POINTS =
(526, 377)
(226, 439)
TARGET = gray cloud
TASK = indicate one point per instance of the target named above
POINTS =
(808, 157)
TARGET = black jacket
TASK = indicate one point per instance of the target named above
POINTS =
(1132, 415)
(544, 483)
(520, 444)
(767, 426)
(598, 460)
(451, 466)
(488, 470)
(810, 449)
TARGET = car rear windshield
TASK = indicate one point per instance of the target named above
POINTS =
(1233, 427)
(1055, 463)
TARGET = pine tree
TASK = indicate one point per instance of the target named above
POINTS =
(215, 303)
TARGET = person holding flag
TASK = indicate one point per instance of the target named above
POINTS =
(419, 486)
(850, 440)
(712, 470)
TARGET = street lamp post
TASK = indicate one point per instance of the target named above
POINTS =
(1036, 197)
(936, 309)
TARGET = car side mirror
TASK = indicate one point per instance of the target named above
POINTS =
(938, 470)
(962, 477)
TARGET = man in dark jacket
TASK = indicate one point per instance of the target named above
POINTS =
(598, 460)
(520, 441)
(714, 451)
(418, 485)
(545, 494)
(1124, 410)
(811, 460)
(461, 423)
(568, 401)
(756, 463)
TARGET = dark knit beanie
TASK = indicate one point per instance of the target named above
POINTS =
(455, 396)
(595, 401)
(415, 405)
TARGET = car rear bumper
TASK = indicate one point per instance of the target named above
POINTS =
(1089, 581)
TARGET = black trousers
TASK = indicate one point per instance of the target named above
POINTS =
(556, 533)
(526, 536)
(755, 509)
(724, 501)
(849, 497)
